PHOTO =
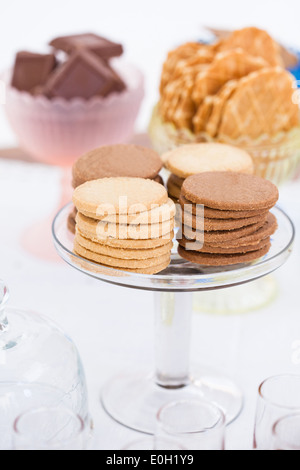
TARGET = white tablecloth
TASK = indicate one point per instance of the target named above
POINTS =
(114, 330)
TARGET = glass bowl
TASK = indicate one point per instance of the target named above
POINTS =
(58, 131)
(276, 160)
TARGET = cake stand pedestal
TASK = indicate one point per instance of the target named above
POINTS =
(133, 400)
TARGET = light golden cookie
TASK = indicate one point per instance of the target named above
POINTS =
(191, 159)
(155, 216)
(262, 104)
(120, 253)
(203, 114)
(227, 65)
(104, 230)
(256, 42)
(119, 196)
(202, 52)
(120, 263)
(129, 244)
(220, 100)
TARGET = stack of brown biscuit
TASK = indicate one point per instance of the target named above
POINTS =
(113, 161)
(226, 218)
(124, 223)
(192, 159)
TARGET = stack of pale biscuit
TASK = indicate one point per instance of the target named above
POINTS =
(112, 161)
(124, 223)
(192, 159)
(226, 218)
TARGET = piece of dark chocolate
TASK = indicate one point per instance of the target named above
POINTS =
(100, 46)
(32, 70)
(84, 75)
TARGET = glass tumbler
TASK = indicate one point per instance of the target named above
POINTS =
(194, 424)
(49, 429)
(286, 433)
(278, 396)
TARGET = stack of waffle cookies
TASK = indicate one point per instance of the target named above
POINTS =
(124, 223)
(192, 159)
(114, 161)
(226, 218)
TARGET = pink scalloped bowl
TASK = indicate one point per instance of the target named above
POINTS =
(58, 131)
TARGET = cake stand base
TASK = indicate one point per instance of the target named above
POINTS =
(134, 400)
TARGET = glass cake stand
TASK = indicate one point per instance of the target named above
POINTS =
(133, 400)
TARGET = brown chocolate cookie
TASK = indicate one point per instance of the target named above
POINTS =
(230, 191)
(173, 190)
(114, 161)
(206, 248)
(216, 213)
(206, 259)
(158, 179)
(176, 180)
(222, 235)
(267, 230)
(213, 225)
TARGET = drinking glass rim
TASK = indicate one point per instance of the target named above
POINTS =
(219, 424)
(271, 402)
(274, 427)
(50, 408)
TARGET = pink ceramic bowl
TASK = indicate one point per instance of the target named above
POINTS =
(59, 131)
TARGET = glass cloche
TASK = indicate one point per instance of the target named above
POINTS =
(39, 366)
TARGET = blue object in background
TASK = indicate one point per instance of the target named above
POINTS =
(296, 70)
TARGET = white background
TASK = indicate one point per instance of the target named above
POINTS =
(113, 326)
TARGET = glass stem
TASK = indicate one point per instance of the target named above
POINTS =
(173, 318)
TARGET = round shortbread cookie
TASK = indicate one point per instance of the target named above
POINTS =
(155, 216)
(173, 190)
(104, 230)
(230, 191)
(206, 248)
(129, 244)
(119, 196)
(206, 259)
(119, 263)
(216, 213)
(267, 230)
(115, 271)
(217, 225)
(221, 236)
(192, 159)
(122, 253)
(117, 160)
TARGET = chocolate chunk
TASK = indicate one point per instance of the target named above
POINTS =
(83, 75)
(32, 70)
(100, 46)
